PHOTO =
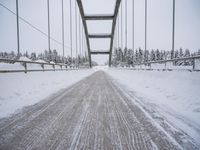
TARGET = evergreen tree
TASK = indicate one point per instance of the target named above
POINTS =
(157, 55)
(152, 55)
(33, 56)
(198, 52)
(140, 55)
(181, 53)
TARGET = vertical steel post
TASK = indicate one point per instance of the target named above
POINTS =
(82, 39)
(63, 32)
(80, 35)
(133, 23)
(173, 25)
(122, 25)
(133, 28)
(71, 27)
(126, 27)
(49, 48)
(118, 32)
(80, 5)
(113, 28)
(17, 18)
(145, 26)
(76, 32)
(193, 65)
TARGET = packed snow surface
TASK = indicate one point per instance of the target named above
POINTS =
(24, 59)
(19, 89)
(173, 94)
(168, 96)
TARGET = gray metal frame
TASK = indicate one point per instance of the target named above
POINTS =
(99, 17)
(193, 58)
(26, 69)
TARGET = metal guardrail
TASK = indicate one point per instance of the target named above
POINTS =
(193, 58)
(42, 64)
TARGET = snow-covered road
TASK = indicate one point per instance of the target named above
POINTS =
(95, 113)
(171, 98)
(18, 90)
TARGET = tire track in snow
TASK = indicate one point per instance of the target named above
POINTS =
(93, 114)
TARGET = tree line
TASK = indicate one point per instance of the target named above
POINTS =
(131, 57)
(48, 56)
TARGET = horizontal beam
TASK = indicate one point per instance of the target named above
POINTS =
(99, 36)
(99, 52)
(99, 17)
(30, 62)
(170, 60)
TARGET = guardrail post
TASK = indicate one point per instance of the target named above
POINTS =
(54, 67)
(25, 67)
(42, 65)
(193, 64)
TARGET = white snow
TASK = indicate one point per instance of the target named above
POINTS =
(24, 59)
(7, 66)
(40, 61)
(51, 62)
(19, 89)
(175, 94)
(30, 66)
(169, 65)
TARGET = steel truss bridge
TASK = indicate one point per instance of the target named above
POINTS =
(91, 17)
(112, 17)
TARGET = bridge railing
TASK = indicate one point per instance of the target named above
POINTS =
(168, 64)
(43, 66)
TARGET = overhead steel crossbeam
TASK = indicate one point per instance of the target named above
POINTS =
(99, 52)
(99, 17)
(99, 35)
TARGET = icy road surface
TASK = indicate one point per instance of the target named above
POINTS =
(92, 114)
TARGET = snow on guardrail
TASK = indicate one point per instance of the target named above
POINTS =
(24, 64)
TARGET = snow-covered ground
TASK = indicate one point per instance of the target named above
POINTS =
(172, 95)
(19, 89)
(172, 98)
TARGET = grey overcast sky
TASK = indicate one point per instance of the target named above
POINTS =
(187, 28)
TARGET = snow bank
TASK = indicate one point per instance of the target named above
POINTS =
(20, 89)
(40, 61)
(8, 66)
(168, 65)
(24, 59)
(173, 92)
(51, 62)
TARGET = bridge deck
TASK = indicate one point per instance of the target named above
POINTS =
(92, 114)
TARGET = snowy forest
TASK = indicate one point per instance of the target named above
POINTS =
(129, 57)
(48, 56)
(126, 57)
